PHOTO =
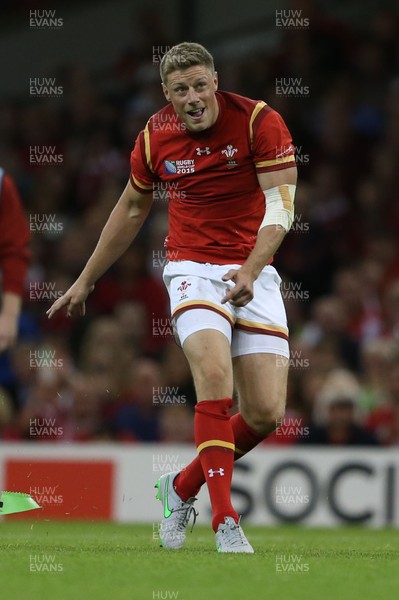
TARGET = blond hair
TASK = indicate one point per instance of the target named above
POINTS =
(183, 56)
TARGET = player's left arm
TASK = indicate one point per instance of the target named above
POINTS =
(279, 190)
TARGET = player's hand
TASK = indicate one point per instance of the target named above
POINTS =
(243, 291)
(8, 331)
(74, 299)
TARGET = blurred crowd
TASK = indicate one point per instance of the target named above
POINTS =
(117, 374)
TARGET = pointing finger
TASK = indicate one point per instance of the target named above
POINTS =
(57, 305)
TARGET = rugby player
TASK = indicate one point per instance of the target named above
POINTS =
(232, 161)
(14, 258)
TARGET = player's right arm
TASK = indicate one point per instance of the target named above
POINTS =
(120, 230)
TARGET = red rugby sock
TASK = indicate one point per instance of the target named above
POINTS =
(189, 481)
(215, 444)
(245, 438)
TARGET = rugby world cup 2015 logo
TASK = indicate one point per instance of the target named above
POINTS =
(170, 166)
(179, 167)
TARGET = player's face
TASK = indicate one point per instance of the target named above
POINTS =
(192, 93)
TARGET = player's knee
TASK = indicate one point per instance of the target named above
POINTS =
(213, 382)
(276, 418)
(266, 418)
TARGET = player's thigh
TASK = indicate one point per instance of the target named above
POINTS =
(261, 353)
(261, 384)
(205, 338)
(203, 326)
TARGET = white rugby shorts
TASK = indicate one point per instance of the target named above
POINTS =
(195, 292)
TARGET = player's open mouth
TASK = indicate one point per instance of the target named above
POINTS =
(196, 114)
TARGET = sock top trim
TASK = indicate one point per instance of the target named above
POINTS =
(222, 443)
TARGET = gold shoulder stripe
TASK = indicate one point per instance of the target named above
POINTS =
(275, 161)
(255, 113)
(215, 443)
(143, 186)
(147, 147)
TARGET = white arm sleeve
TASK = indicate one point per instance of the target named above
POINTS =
(279, 206)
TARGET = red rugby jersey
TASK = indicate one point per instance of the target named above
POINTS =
(215, 202)
(14, 238)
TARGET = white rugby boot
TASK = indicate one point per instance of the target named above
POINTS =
(176, 513)
(230, 538)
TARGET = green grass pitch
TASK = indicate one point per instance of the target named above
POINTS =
(105, 561)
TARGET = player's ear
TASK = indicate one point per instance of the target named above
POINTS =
(216, 80)
(166, 92)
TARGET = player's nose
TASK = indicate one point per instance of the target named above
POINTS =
(192, 96)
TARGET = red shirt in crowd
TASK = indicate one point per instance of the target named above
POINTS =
(14, 237)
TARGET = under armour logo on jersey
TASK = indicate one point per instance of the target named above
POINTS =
(205, 150)
(212, 472)
(229, 151)
(281, 151)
